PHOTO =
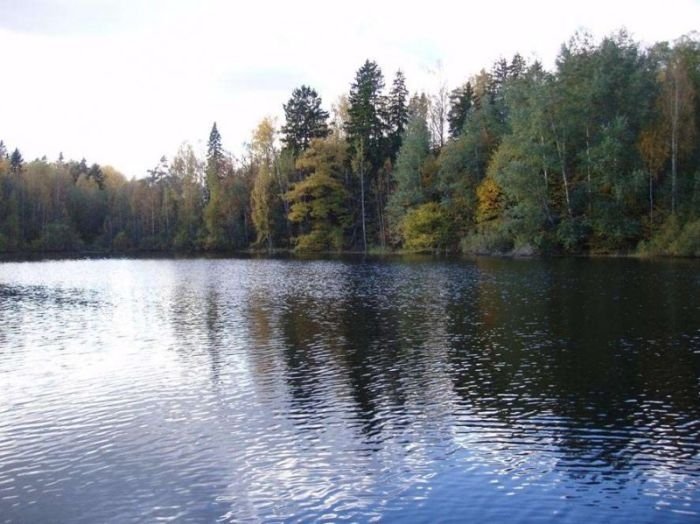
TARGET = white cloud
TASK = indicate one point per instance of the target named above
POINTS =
(124, 82)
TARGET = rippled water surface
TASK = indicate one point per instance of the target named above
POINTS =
(393, 390)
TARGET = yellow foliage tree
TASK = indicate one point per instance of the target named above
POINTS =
(426, 228)
(489, 200)
(319, 202)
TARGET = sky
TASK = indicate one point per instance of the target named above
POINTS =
(123, 82)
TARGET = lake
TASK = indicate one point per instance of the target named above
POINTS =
(393, 390)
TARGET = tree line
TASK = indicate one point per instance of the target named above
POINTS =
(599, 155)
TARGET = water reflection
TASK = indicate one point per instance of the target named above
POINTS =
(263, 389)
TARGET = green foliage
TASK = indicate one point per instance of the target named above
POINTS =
(213, 221)
(87, 208)
(486, 241)
(570, 234)
(410, 165)
(616, 209)
(461, 101)
(674, 238)
(121, 242)
(187, 173)
(521, 193)
(58, 237)
(457, 181)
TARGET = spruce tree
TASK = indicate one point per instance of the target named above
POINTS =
(95, 173)
(518, 66)
(215, 153)
(212, 210)
(500, 74)
(305, 119)
(16, 162)
(461, 101)
(365, 125)
(365, 131)
(77, 168)
(397, 113)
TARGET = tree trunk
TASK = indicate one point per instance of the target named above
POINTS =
(588, 170)
(362, 205)
(674, 143)
(285, 202)
(380, 214)
(546, 182)
(561, 152)
(362, 195)
(651, 199)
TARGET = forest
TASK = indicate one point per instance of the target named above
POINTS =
(598, 156)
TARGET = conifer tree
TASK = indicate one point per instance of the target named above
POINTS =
(461, 101)
(500, 74)
(215, 153)
(366, 104)
(397, 113)
(16, 162)
(212, 210)
(95, 173)
(365, 131)
(517, 67)
(305, 119)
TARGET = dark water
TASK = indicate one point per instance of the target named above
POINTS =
(395, 390)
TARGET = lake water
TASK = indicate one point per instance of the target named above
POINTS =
(394, 390)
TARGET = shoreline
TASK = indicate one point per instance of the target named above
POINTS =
(291, 254)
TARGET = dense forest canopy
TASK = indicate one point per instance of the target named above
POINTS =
(599, 155)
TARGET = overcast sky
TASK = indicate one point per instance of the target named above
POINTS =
(122, 82)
